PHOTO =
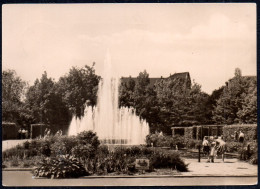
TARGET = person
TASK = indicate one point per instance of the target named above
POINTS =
(212, 150)
(20, 133)
(205, 146)
(236, 136)
(26, 134)
(23, 133)
(241, 137)
(221, 147)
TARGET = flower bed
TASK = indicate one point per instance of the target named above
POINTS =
(85, 151)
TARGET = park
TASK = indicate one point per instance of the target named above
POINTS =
(108, 140)
(158, 94)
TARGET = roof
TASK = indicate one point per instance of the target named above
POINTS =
(153, 80)
(180, 75)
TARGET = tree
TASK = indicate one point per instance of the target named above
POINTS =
(180, 105)
(237, 103)
(126, 90)
(13, 89)
(78, 87)
(45, 102)
(248, 112)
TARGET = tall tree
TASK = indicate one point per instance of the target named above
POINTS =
(13, 89)
(45, 102)
(237, 103)
(78, 87)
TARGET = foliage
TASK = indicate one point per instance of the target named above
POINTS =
(250, 132)
(60, 167)
(249, 152)
(79, 88)
(86, 146)
(171, 141)
(233, 147)
(159, 158)
(237, 103)
(192, 143)
(13, 90)
(86, 149)
(179, 105)
(45, 102)
(166, 159)
(63, 145)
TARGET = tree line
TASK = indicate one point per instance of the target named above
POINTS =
(165, 104)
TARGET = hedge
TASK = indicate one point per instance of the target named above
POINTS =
(188, 133)
(9, 131)
(250, 132)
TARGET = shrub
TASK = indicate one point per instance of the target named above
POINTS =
(159, 158)
(15, 162)
(167, 159)
(233, 147)
(250, 132)
(60, 167)
(192, 143)
(165, 141)
(248, 152)
(63, 145)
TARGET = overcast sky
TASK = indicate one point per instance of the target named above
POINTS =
(207, 40)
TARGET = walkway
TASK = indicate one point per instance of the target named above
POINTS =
(230, 167)
(24, 178)
(7, 144)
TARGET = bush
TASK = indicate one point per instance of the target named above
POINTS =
(249, 152)
(159, 158)
(250, 132)
(233, 147)
(166, 159)
(165, 141)
(60, 167)
(15, 162)
(192, 143)
(63, 145)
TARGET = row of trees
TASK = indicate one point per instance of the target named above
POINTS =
(169, 102)
(165, 104)
(47, 101)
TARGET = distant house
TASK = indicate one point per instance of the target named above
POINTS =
(183, 76)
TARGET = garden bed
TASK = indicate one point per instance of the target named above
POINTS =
(63, 157)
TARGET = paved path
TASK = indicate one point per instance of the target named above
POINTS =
(7, 144)
(232, 172)
(24, 178)
(230, 167)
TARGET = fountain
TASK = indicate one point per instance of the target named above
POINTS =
(112, 124)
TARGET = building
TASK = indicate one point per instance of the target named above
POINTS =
(184, 77)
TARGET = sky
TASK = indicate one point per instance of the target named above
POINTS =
(207, 40)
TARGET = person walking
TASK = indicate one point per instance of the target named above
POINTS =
(221, 147)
